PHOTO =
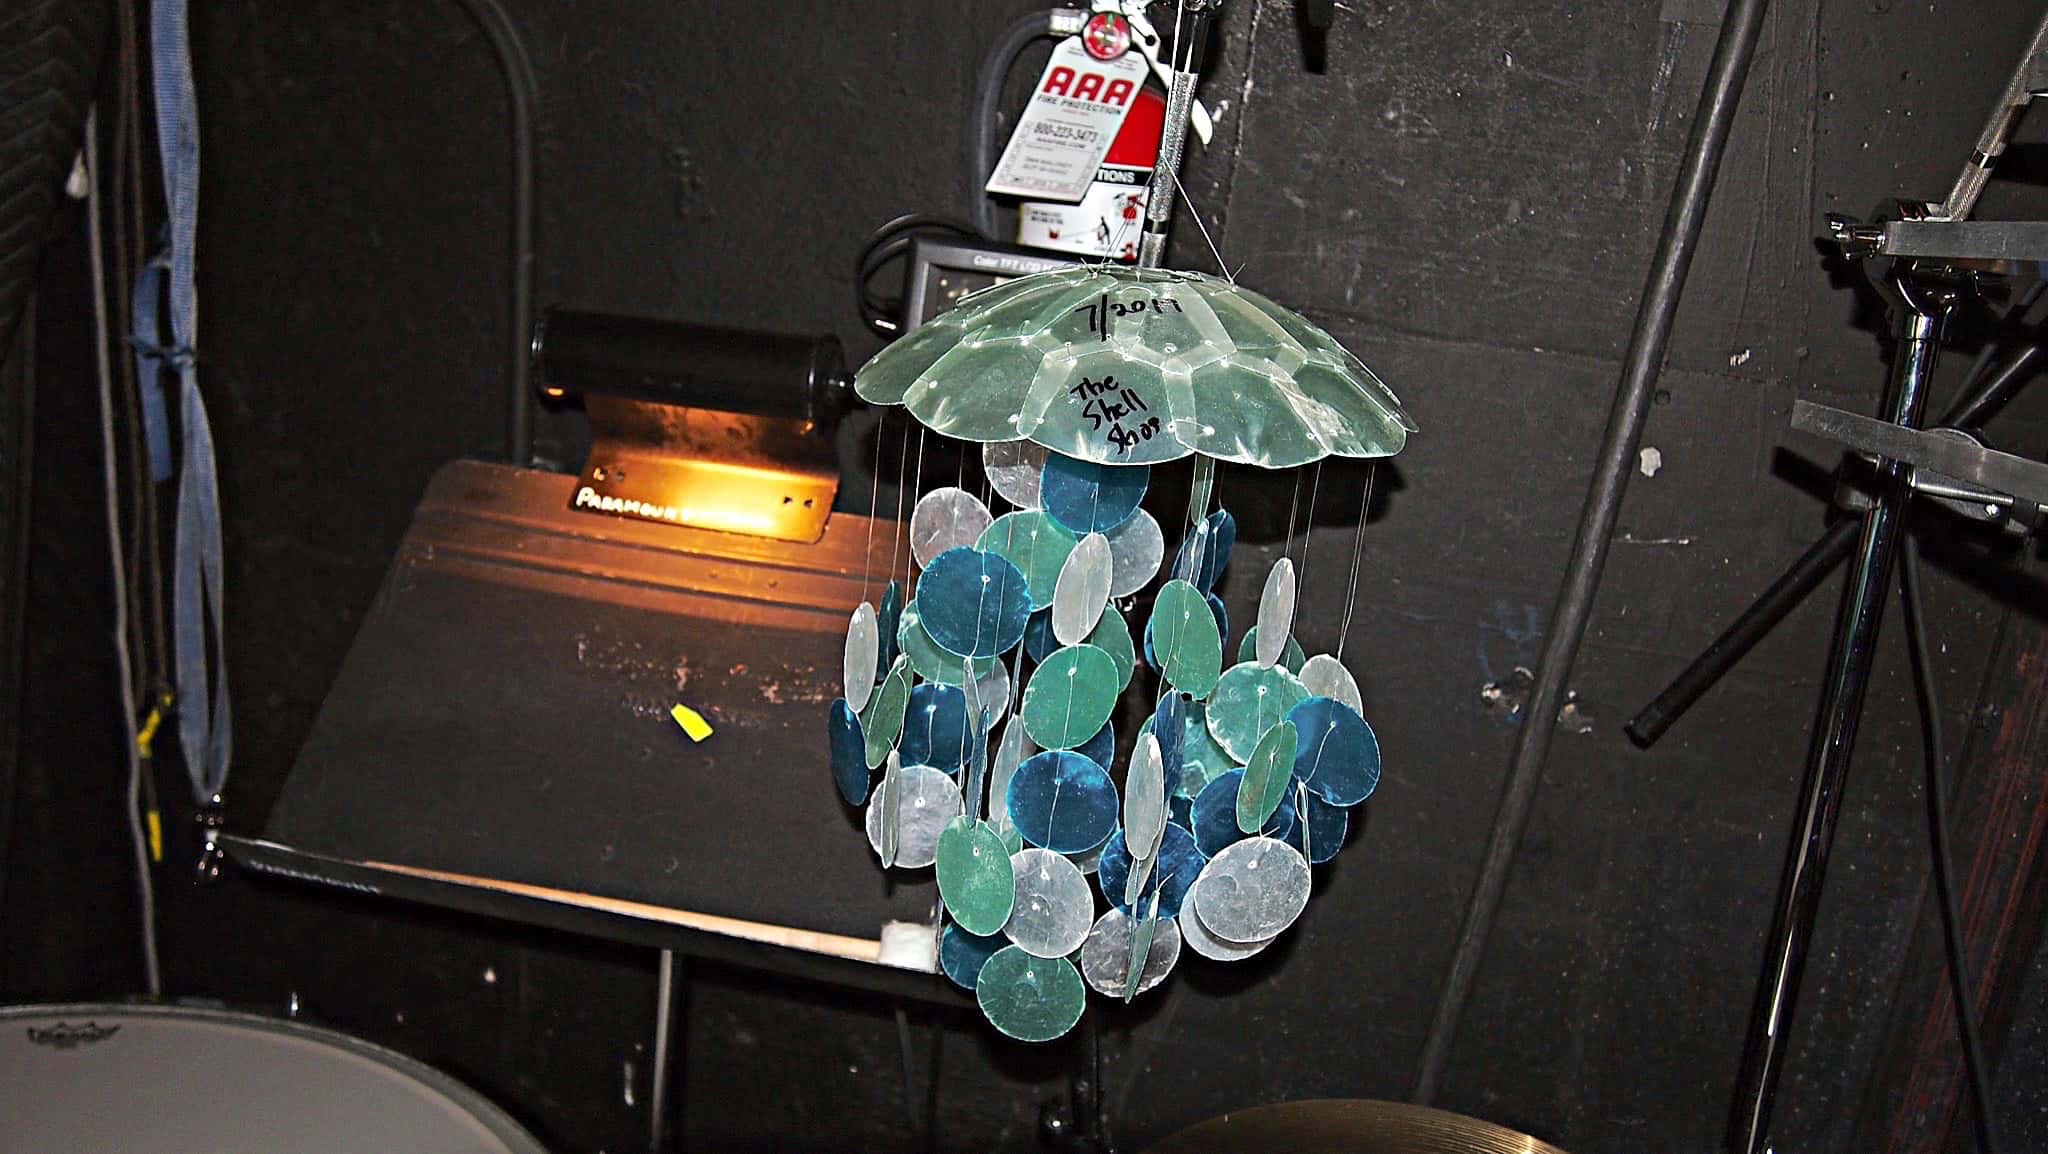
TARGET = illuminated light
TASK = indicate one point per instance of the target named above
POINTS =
(552, 391)
(721, 496)
(713, 472)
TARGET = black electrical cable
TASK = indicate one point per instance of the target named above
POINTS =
(520, 87)
(883, 314)
(1936, 789)
(1645, 359)
(988, 96)
(136, 204)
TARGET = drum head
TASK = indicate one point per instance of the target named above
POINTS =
(177, 1080)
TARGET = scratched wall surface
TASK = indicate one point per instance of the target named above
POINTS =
(1467, 195)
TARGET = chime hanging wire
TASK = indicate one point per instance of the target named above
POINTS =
(1196, 213)
(896, 540)
(867, 561)
(1293, 508)
(916, 484)
(1308, 528)
(1357, 554)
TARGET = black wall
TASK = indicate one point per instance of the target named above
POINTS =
(1468, 196)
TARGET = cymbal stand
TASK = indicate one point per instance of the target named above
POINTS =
(1933, 255)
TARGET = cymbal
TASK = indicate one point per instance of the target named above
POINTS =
(1349, 1126)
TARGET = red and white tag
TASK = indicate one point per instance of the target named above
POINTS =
(1107, 222)
(1075, 112)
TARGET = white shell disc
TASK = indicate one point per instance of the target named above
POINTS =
(863, 649)
(945, 518)
(1106, 956)
(1082, 592)
(926, 799)
(1208, 945)
(1013, 469)
(1252, 890)
(1136, 549)
(1325, 676)
(1011, 750)
(1276, 612)
(1054, 907)
(993, 688)
(1145, 799)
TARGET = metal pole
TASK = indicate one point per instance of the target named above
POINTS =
(664, 1024)
(1834, 737)
(1187, 50)
(1962, 197)
(1631, 407)
(1762, 616)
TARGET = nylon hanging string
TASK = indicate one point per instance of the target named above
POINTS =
(1308, 527)
(916, 483)
(1357, 554)
(867, 562)
(1293, 511)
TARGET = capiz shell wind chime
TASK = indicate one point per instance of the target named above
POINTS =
(985, 701)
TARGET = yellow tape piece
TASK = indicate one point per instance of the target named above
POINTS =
(156, 836)
(146, 736)
(693, 722)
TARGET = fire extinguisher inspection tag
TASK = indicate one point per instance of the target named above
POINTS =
(1074, 114)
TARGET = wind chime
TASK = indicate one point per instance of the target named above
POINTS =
(1077, 383)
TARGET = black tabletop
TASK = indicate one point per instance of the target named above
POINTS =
(505, 712)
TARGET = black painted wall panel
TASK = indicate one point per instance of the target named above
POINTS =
(1468, 197)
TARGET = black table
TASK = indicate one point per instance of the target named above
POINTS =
(499, 740)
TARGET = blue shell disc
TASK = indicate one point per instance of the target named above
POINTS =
(1327, 825)
(888, 619)
(1089, 498)
(973, 603)
(1339, 757)
(961, 954)
(1063, 802)
(1038, 638)
(1214, 544)
(1215, 817)
(849, 753)
(1180, 863)
(935, 730)
(1102, 747)
(1170, 726)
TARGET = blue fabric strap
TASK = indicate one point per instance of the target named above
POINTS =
(149, 357)
(204, 717)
